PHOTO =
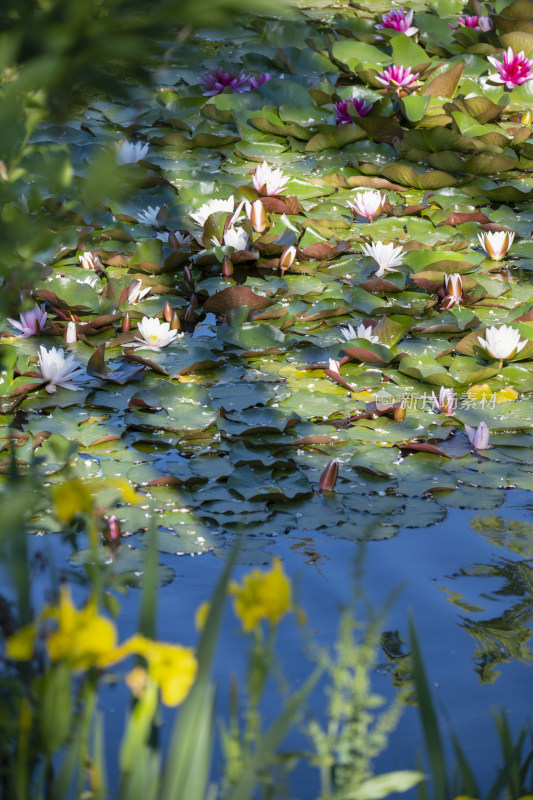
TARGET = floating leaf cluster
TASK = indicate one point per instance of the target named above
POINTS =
(317, 258)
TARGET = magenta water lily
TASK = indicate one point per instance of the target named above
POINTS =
(398, 20)
(514, 70)
(216, 80)
(395, 77)
(359, 107)
(476, 23)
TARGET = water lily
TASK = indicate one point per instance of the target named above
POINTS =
(136, 292)
(476, 23)
(60, 370)
(502, 343)
(154, 334)
(478, 437)
(177, 238)
(515, 70)
(30, 322)
(257, 215)
(71, 334)
(287, 258)
(218, 79)
(398, 20)
(362, 332)
(211, 207)
(130, 152)
(368, 204)
(256, 81)
(387, 256)
(149, 217)
(496, 243)
(334, 366)
(446, 402)
(398, 77)
(328, 479)
(234, 237)
(269, 181)
(88, 261)
(343, 107)
(454, 290)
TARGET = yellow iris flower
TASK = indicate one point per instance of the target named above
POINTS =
(262, 595)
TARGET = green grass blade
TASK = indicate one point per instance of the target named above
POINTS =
(267, 744)
(468, 786)
(148, 612)
(429, 720)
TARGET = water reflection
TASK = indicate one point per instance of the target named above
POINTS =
(507, 635)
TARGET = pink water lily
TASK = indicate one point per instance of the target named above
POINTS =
(398, 20)
(343, 107)
(515, 70)
(478, 437)
(398, 77)
(368, 204)
(446, 402)
(476, 23)
(218, 79)
(30, 322)
(256, 81)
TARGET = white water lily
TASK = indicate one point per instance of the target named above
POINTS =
(136, 293)
(211, 207)
(154, 334)
(91, 280)
(269, 181)
(60, 370)
(30, 323)
(502, 343)
(360, 333)
(235, 237)
(88, 261)
(130, 152)
(386, 256)
(181, 239)
(496, 243)
(334, 366)
(149, 217)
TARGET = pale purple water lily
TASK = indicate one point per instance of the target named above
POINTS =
(446, 402)
(502, 343)
(386, 256)
(515, 69)
(398, 78)
(269, 181)
(154, 335)
(368, 204)
(362, 332)
(454, 290)
(256, 81)
(30, 323)
(478, 437)
(130, 152)
(398, 20)
(476, 23)
(60, 370)
(496, 243)
(216, 80)
(342, 108)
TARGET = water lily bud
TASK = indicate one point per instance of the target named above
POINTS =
(126, 322)
(112, 530)
(257, 215)
(526, 118)
(167, 311)
(400, 413)
(328, 479)
(287, 258)
(193, 300)
(496, 243)
(478, 437)
(454, 290)
(175, 324)
(173, 241)
(227, 267)
(70, 333)
(187, 275)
